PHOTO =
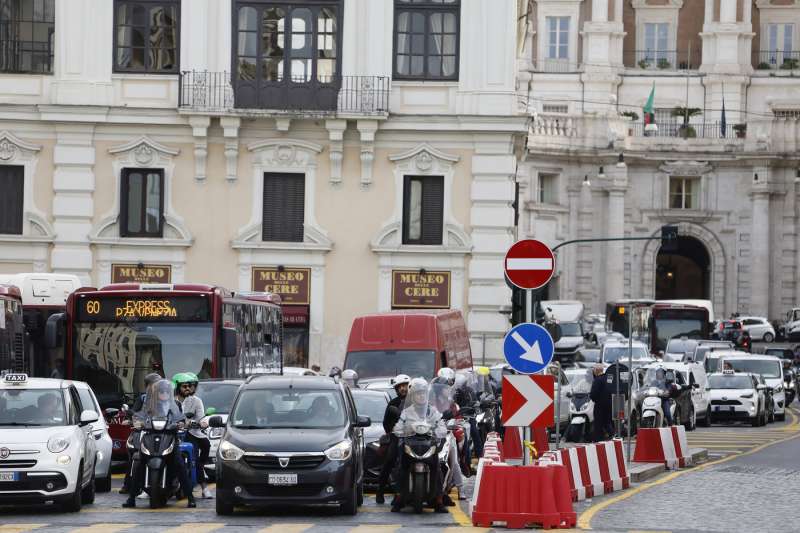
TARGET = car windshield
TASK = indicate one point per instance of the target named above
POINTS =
(589, 356)
(681, 346)
(613, 354)
(220, 396)
(32, 407)
(389, 363)
(289, 408)
(730, 382)
(700, 353)
(570, 329)
(768, 369)
(114, 358)
(371, 405)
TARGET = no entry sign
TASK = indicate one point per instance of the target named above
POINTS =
(529, 264)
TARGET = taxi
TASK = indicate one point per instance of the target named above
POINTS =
(47, 450)
(737, 396)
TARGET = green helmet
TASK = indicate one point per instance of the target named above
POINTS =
(183, 377)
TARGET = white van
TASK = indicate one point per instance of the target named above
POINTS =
(695, 375)
(770, 368)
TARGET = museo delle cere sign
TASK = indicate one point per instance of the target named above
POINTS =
(141, 273)
(292, 284)
(417, 289)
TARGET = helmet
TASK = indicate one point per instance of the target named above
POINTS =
(418, 391)
(151, 378)
(400, 379)
(184, 377)
(447, 375)
(350, 377)
(335, 371)
(460, 381)
(159, 399)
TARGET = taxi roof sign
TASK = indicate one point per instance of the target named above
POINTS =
(15, 378)
(728, 371)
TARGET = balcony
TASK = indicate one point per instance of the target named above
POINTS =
(776, 60)
(661, 60)
(217, 93)
(702, 130)
(556, 66)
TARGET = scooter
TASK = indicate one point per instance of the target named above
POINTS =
(652, 412)
(422, 452)
(581, 410)
(158, 439)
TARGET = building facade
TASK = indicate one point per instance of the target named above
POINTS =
(352, 155)
(723, 163)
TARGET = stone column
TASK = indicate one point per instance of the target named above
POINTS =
(73, 203)
(760, 250)
(599, 10)
(727, 11)
(615, 250)
(709, 15)
(618, 11)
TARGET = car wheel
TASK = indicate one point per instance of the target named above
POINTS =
(73, 502)
(361, 493)
(706, 422)
(769, 337)
(89, 491)
(350, 505)
(224, 507)
(691, 423)
(755, 421)
(781, 417)
(103, 484)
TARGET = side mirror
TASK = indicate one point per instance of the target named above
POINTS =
(695, 385)
(569, 394)
(363, 421)
(216, 422)
(229, 344)
(210, 411)
(88, 417)
(111, 412)
(53, 330)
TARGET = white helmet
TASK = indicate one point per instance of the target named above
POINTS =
(399, 379)
(418, 391)
(460, 381)
(350, 378)
(447, 375)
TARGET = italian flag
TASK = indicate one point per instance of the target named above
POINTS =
(649, 114)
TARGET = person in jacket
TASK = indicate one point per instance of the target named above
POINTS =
(193, 409)
(601, 397)
(390, 418)
(149, 379)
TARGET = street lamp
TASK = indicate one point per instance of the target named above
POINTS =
(797, 176)
(586, 182)
(621, 161)
(601, 174)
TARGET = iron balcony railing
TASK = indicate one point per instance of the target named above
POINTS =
(665, 60)
(556, 66)
(217, 92)
(702, 130)
(776, 60)
(25, 57)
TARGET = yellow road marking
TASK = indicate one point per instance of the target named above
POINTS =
(286, 528)
(458, 513)
(195, 527)
(103, 528)
(19, 528)
(117, 476)
(585, 520)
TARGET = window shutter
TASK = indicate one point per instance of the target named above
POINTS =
(283, 207)
(12, 180)
(432, 210)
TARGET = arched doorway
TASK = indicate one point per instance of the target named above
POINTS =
(684, 273)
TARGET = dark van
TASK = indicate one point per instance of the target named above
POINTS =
(413, 342)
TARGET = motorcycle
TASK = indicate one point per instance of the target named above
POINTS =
(581, 410)
(652, 412)
(789, 386)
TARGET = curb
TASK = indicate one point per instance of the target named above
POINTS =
(644, 471)
(698, 455)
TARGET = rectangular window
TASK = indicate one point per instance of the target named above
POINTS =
(548, 189)
(423, 209)
(426, 39)
(557, 38)
(284, 207)
(684, 193)
(778, 45)
(12, 185)
(142, 206)
(552, 108)
(146, 36)
(655, 40)
(26, 36)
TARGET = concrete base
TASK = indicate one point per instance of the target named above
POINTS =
(698, 455)
(640, 472)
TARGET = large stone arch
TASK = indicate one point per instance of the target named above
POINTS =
(715, 251)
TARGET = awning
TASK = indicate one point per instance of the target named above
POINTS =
(295, 315)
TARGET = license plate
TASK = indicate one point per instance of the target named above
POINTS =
(9, 476)
(282, 479)
(117, 444)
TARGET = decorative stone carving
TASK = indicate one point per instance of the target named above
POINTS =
(367, 129)
(143, 154)
(200, 126)
(686, 168)
(424, 161)
(7, 150)
(144, 151)
(286, 153)
(336, 129)
(230, 130)
(12, 147)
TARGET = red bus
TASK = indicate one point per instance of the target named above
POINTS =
(12, 331)
(116, 335)
(670, 321)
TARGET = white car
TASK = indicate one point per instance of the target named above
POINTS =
(758, 327)
(613, 351)
(737, 396)
(103, 442)
(770, 368)
(47, 451)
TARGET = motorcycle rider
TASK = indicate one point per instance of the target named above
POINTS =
(390, 418)
(443, 401)
(350, 378)
(416, 409)
(464, 399)
(149, 379)
(663, 383)
(185, 387)
(159, 402)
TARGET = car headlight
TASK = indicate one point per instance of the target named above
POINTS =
(340, 452)
(376, 444)
(215, 433)
(748, 395)
(57, 444)
(229, 451)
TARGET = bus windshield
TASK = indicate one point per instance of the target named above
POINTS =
(113, 357)
(670, 328)
(389, 363)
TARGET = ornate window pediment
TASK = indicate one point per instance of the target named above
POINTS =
(686, 168)
(143, 152)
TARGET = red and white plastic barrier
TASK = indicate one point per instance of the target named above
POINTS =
(663, 445)
(595, 469)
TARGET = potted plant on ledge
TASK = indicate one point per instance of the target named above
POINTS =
(741, 130)
(633, 116)
(686, 130)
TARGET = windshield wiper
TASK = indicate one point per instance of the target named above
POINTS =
(249, 427)
(21, 424)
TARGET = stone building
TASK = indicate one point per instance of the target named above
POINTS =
(352, 155)
(729, 176)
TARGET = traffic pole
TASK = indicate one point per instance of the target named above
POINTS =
(630, 381)
(558, 406)
(526, 433)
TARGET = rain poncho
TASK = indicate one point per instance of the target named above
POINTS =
(160, 403)
(420, 415)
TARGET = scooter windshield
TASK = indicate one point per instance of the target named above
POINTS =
(420, 415)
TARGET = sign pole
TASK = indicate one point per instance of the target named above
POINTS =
(630, 381)
(558, 388)
(526, 433)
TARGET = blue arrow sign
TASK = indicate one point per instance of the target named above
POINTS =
(528, 348)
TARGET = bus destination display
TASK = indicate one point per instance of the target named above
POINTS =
(150, 308)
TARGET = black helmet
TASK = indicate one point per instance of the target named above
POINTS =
(151, 378)
(335, 372)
